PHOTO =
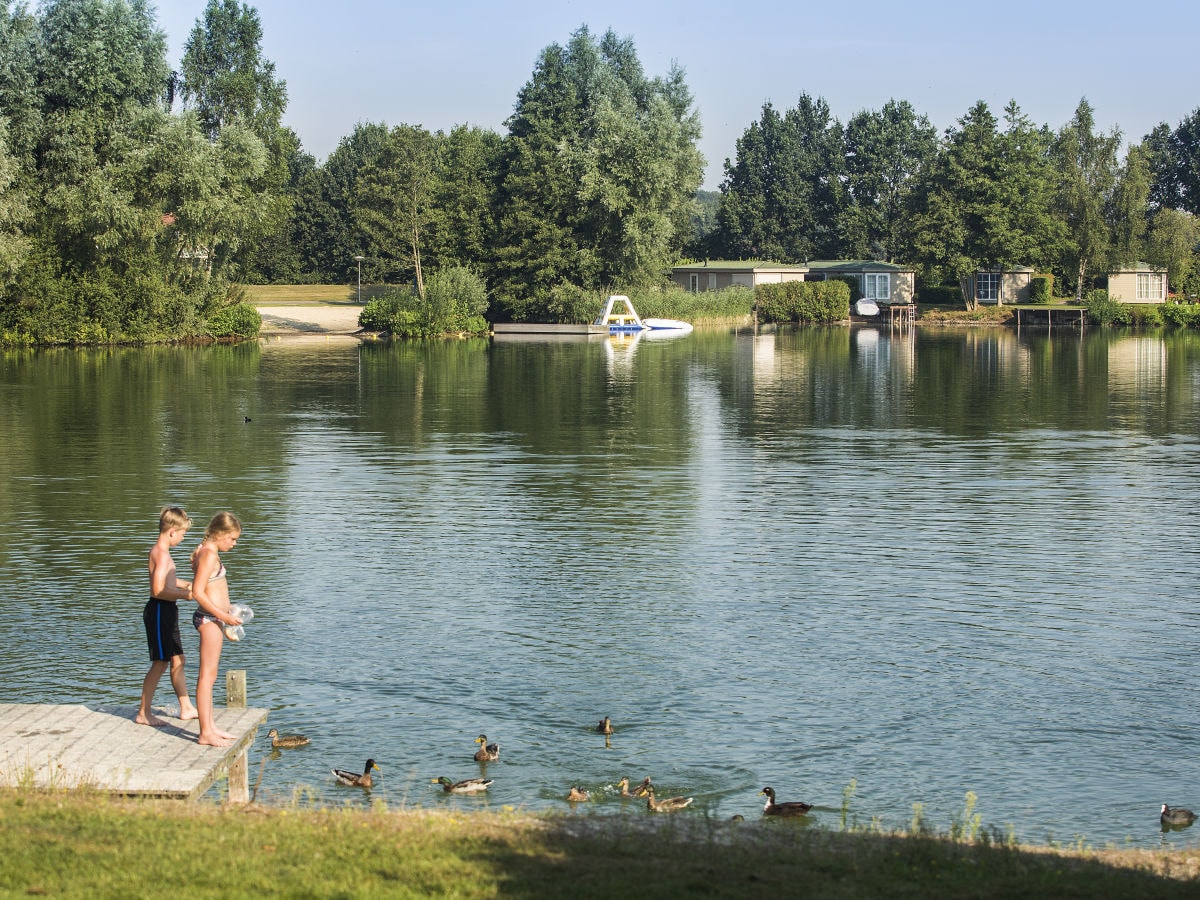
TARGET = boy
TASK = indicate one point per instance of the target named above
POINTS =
(161, 617)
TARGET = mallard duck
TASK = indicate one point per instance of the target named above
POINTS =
(486, 752)
(577, 795)
(1176, 816)
(353, 779)
(640, 791)
(669, 804)
(284, 741)
(467, 786)
(792, 808)
(605, 726)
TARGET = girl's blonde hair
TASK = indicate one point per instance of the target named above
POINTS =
(223, 523)
(170, 517)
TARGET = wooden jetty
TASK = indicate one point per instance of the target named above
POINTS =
(99, 746)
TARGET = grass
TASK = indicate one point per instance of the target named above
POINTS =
(310, 294)
(82, 843)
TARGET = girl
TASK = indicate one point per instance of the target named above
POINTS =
(210, 590)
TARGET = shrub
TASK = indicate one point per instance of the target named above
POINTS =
(236, 320)
(940, 295)
(803, 301)
(1041, 288)
(1181, 315)
(455, 301)
(1103, 310)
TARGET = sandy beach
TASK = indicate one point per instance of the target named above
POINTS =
(309, 319)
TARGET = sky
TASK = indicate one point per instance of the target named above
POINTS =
(462, 63)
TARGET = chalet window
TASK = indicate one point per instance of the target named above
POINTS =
(987, 287)
(877, 286)
(693, 282)
(712, 281)
(1149, 286)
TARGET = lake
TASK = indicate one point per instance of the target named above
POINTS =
(926, 563)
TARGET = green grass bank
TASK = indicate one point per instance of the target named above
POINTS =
(83, 844)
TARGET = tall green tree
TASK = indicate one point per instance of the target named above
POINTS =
(783, 197)
(226, 78)
(19, 100)
(395, 196)
(463, 229)
(325, 224)
(598, 172)
(887, 151)
(1087, 166)
(227, 81)
(985, 202)
(14, 211)
(1174, 244)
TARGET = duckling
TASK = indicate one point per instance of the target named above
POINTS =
(466, 786)
(605, 726)
(353, 779)
(284, 741)
(670, 804)
(486, 752)
(1176, 816)
(577, 795)
(791, 808)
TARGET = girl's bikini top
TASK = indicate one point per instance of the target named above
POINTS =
(219, 574)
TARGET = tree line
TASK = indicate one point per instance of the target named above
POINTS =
(135, 199)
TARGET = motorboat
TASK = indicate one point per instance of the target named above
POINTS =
(866, 307)
(619, 317)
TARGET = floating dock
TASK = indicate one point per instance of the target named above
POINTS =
(100, 747)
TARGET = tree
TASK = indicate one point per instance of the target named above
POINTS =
(985, 202)
(1173, 244)
(886, 153)
(1087, 168)
(225, 76)
(325, 224)
(395, 194)
(463, 229)
(14, 212)
(19, 101)
(597, 174)
(783, 197)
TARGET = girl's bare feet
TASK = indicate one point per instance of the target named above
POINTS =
(187, 713)
(149, 719)
(213, 741)
(224, 734)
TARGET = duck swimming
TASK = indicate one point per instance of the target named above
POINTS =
(577, 795)
(1176, 816)
(284, 741)
(791, 808)
(669, 804)
(605, 726)
(466, 786)
(486, 752)
(353, 779)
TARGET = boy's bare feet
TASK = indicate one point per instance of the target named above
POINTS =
(213, 741)
(150, 719)
(225, 734)
(188, 713)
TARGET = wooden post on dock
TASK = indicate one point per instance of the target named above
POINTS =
(239, 768)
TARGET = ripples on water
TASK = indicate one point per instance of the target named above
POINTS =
(733, 548)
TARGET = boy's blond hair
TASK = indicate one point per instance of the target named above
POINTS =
(171, 517)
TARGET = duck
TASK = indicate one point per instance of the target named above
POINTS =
(640, 791)
(486, 752)
(577, 795)
(284, 741)
(1176, 816)
(353, 779)
(466, 786)
(792, 808)
(605, 726)
(669, 804)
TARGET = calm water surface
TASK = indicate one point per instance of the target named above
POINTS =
(949, 562)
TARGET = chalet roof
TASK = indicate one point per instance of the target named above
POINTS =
(856, 265)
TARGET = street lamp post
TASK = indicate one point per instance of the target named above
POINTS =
(359, 259)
